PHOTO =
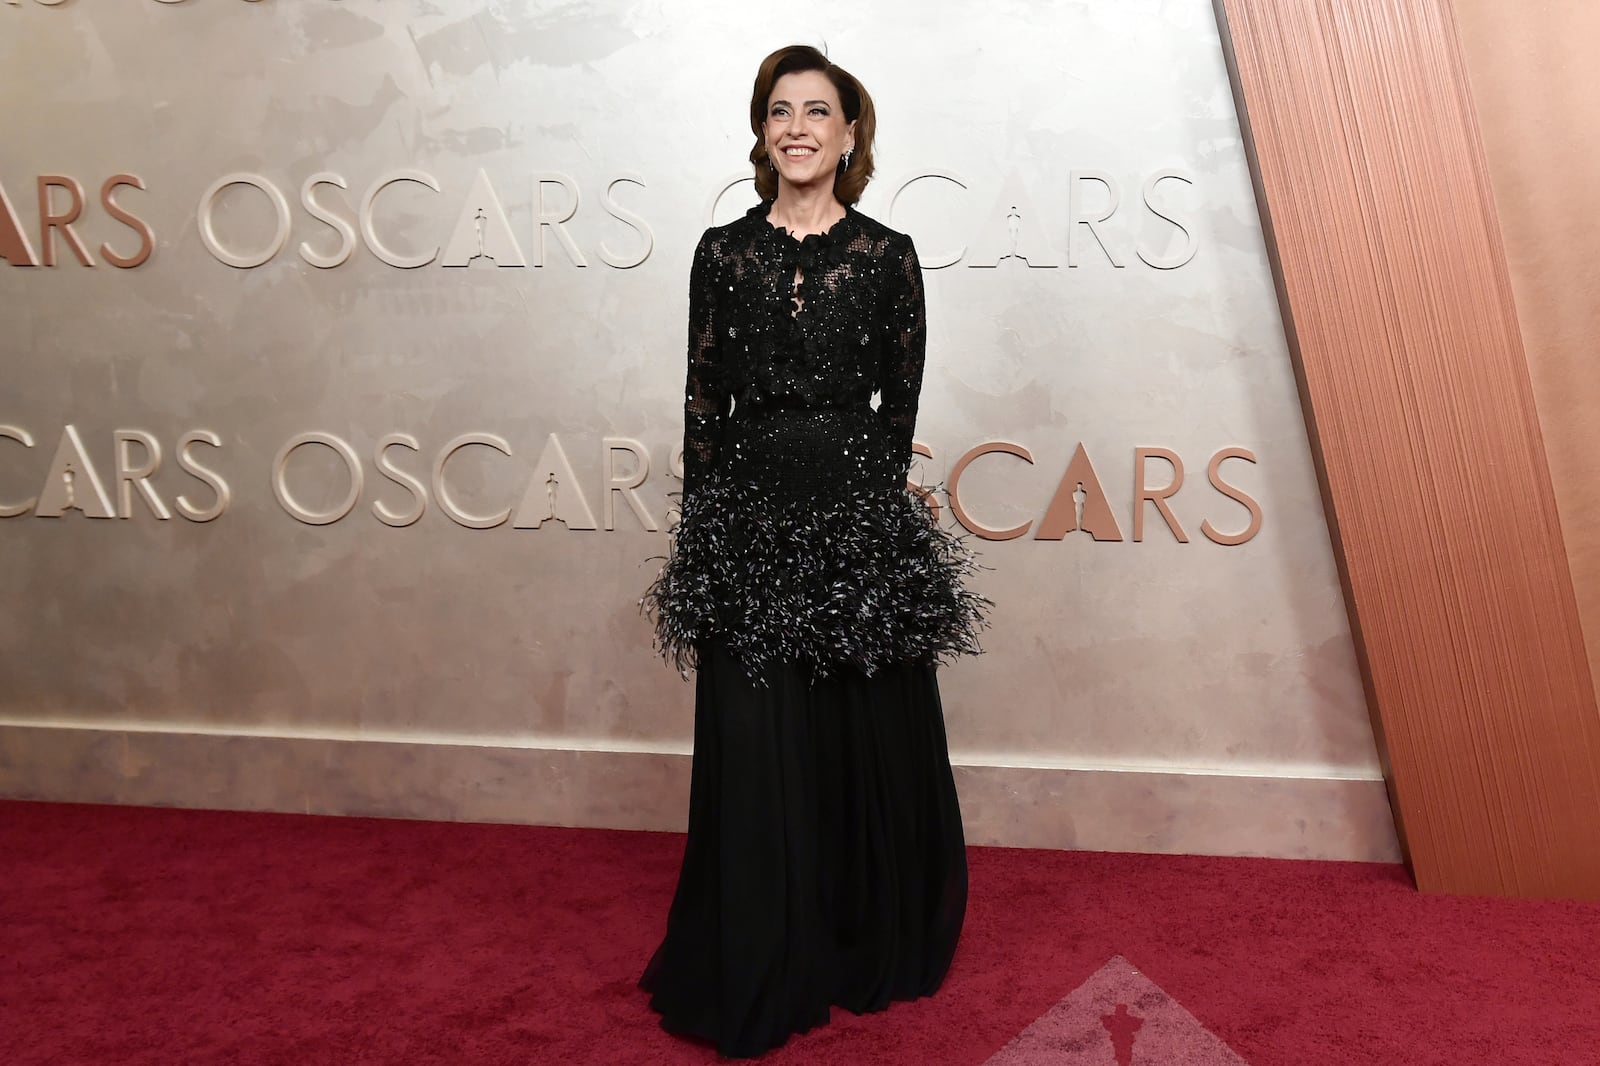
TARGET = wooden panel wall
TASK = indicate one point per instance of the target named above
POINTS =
(1400, 315)
(1531, 67)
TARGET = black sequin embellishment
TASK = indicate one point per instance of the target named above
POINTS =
(798, 539)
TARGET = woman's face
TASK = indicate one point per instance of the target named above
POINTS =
(805, 129)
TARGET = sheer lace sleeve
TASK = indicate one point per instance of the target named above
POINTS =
(904, 351)
(705, 395)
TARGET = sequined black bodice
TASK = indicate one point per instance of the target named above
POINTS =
(799, 541)
(782, 375)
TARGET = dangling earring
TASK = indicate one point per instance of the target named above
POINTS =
(844, 160)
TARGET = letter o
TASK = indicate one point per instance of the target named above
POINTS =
(280, 486)
(208, 234)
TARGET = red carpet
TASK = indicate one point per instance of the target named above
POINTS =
(133, 936)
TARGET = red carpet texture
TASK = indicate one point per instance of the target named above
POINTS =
(136, 936)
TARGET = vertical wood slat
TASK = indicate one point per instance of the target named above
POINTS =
(1530, 71)
(1398, 305)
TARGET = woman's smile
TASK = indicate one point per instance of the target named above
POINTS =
(805, 129)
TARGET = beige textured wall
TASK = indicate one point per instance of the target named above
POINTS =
(1153, 695)
(1532, 70)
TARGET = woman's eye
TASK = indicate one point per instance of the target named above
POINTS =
(820, 112)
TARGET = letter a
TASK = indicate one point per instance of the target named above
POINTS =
(71, 483)
(14, 246)
(1061, 517)
(481, 234)
(553, 493)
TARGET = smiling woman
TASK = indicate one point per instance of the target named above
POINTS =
(814, 595)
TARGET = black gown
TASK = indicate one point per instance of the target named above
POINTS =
(813, 595)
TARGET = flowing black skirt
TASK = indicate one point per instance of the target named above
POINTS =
(825, 862)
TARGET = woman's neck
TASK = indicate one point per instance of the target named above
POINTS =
(803, 212)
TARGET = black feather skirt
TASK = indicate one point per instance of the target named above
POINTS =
(863, 578)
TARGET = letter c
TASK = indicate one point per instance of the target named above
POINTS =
(935, 261)
(953, 491)
(394, 259)
(11, 510)
(441, 492)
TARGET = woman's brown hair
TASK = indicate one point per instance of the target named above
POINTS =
(849, 184)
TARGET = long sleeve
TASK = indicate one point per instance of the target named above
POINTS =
(904, 353)
(705, 394)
